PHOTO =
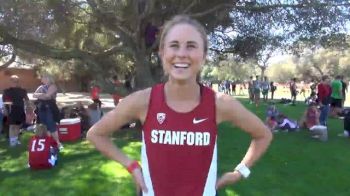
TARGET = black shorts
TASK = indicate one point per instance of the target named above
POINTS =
(16, 115)
(336, 103)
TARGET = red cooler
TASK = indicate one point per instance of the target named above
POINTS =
(69, 129)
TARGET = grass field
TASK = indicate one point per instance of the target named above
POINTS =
(295, 164)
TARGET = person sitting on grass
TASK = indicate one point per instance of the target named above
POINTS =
(271, 115)
(310, 117)
(42, 149)
(319, 132)
(286, 124)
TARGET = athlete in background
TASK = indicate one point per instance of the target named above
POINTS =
(42, 149)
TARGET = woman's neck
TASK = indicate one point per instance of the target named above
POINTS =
(182, 91)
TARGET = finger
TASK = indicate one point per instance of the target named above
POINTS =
(228, 178)
(140, 181)
(218, 184)
(143, 186)
(138, 190)
(221, 182)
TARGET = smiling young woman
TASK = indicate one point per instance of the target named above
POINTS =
(179, 119)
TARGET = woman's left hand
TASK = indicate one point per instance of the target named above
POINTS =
(139, 181)
(228, 178)
(36, 95)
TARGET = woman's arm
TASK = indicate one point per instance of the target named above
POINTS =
(45, 96)
(229, 109)
(99, 134)
(132, 107)
(38, 91)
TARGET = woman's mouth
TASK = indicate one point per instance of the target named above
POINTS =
(181, 65)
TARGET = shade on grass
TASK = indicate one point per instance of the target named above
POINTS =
(295, 164)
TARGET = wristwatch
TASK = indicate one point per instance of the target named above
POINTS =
(243, 170)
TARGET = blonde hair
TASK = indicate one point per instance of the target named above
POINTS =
(184, 19)
(40, 130)
(49, 78)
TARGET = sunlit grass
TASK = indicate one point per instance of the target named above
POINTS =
(294, 164)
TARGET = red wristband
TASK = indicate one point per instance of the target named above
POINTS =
(134, 165)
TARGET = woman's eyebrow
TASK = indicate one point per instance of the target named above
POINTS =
(174, 42)
(188, 42)
(192, 42)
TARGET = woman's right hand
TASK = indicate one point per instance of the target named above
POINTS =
(228, 178)
(139, 181)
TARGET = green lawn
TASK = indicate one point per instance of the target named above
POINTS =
(295, 164)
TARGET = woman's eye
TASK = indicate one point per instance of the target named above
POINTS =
(191, 46)
(174, 46)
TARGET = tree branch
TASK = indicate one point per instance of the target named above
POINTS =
(256, 8)
(111, 51)
(108, 15)
(189, 7)
(9, 62)
(223, 51)
(215, 8)
(44, 50)
(110, 20)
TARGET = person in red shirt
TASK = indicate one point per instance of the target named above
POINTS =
(324, 98)
(42, 149)
(180, 121)
(119, 90)
(95, 94)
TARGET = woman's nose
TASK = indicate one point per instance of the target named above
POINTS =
(182, 51)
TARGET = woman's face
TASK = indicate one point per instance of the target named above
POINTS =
(183, 52)
(45, 80)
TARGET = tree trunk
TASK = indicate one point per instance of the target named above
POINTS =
(143, 78)
(263, 69)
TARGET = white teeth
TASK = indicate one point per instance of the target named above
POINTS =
(181, 65)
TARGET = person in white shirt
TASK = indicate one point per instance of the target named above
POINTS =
(286, 124)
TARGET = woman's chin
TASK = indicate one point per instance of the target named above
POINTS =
(180, 78)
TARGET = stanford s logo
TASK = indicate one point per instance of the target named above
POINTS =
(160, 117)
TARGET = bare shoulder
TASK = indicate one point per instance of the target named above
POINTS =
(228, 108)
(231, 110)
(224, 101)
(139, 98)
(136, 104)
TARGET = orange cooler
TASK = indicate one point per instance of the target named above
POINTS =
(69, 129)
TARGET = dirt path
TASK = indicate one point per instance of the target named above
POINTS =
(72, 98)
